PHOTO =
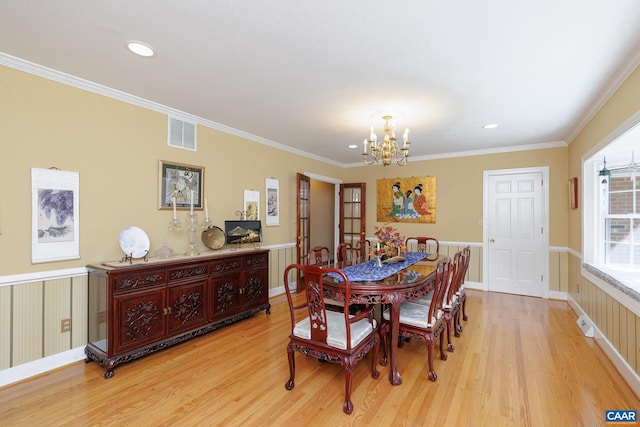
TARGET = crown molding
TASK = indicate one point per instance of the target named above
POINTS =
(77, 82)
(498, 150)
(626, 69)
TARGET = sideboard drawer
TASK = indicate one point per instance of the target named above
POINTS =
(188, 272)
(140, 280)
(258, 260)
(226, 265)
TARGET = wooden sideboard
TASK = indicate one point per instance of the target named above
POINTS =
(136, 309)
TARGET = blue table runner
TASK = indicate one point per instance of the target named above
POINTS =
(368, 272)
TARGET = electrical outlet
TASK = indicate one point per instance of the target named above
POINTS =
(65, 325)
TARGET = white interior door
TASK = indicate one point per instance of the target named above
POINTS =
(515, 233)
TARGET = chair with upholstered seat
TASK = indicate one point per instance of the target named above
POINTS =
(364, 247)
(327, 335)
(346, 252)
(462, 296)
(420, 321)
(429, 245)
(319, 255)
(451, 304)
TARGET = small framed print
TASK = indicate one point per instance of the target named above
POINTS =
(182, 182)
(273, 202)
(573, 193)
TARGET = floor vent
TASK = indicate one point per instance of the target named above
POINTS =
(585, 326)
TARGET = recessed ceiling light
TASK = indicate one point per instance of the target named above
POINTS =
(140, 49)
(490, 126)
(353, 145)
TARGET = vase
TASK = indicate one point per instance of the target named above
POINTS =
(378, 260)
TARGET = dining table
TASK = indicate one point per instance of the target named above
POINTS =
(390, 284)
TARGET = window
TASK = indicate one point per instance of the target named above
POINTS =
(621, 218)
(611, 213)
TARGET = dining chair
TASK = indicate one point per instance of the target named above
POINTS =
(364, 247)
(462, 296)
(319, 255)
(420, 321)
(428, 245)
(347, 252)
(328, 335)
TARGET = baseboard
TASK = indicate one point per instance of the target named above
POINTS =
(557, 295)
(40, 366)
(629, 375)
(473, 285)
(273, 292)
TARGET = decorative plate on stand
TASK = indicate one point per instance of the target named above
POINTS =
(134, 242)
(213, 237)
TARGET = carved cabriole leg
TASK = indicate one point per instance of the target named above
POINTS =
(432, 373)
(394, 375)
(292, 367)
(464, 309)
(449, 321)
(374, 357)
(348, 371)
(384, 331)
(443, 355)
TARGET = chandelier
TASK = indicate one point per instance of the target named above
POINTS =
(388, 149)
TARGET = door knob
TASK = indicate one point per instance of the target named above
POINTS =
(491, 241)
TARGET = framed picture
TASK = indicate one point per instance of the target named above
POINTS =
(252, 205)
(243, 231)
(573, 193)
(273, 202)
(55, 210)
(184, 183)
(406, 200)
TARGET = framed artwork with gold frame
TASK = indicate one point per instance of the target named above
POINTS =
(406, 200)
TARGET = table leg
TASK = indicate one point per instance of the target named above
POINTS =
(394, 375)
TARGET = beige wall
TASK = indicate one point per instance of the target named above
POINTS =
(615, 318)
(116, 147)
(322, 214)
(459, 191)
(620, 107)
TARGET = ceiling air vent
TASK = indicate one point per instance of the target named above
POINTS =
(182, 134)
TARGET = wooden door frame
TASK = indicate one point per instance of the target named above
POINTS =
(363, 210)
(336, 203)
(544, 170)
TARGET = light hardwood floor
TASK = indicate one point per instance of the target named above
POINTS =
(520, 361)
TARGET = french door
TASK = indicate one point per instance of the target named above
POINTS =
(352, 212)
(303, 224)
(516, 232)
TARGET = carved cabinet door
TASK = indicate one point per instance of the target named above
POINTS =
(139, 318)
(225, 298)
(187, 308)
(255, 288)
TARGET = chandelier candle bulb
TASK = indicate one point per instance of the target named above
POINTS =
(405, 137)
(173, 200)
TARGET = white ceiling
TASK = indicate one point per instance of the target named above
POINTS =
(315, 75)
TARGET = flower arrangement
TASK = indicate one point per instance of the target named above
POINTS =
(390, 242)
